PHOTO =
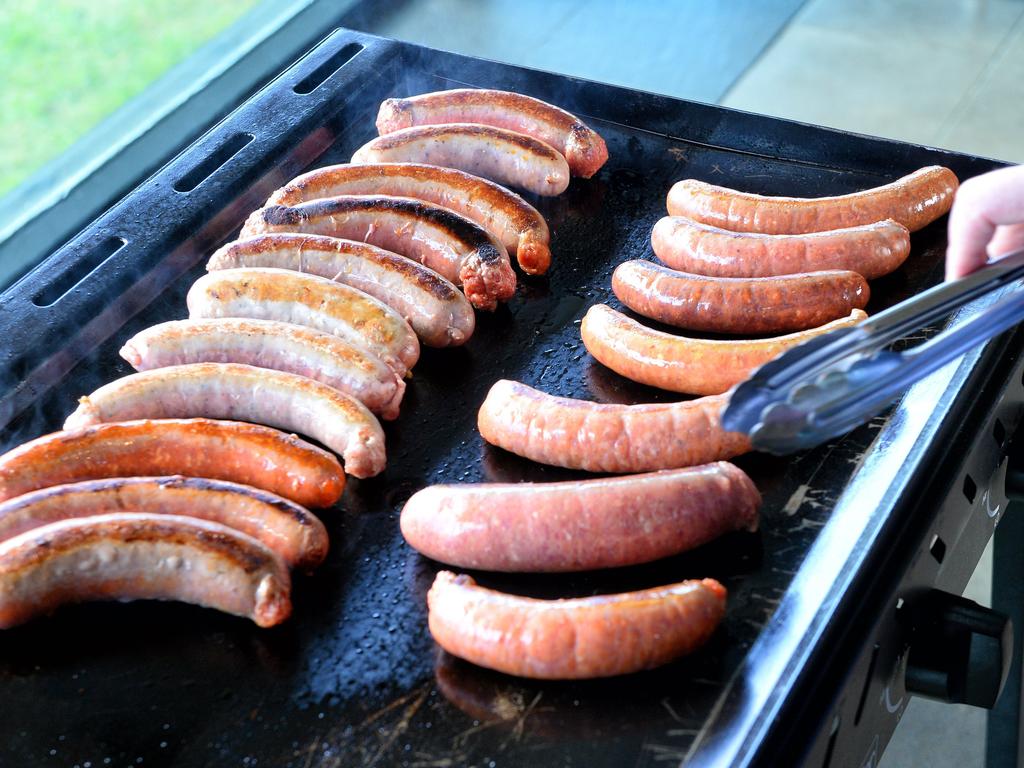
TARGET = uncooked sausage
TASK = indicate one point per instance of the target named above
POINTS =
(914, 201)
(601, 437)
(871, 250)
(579, 525)
(681, 363)
(575, 638)
(736, 305)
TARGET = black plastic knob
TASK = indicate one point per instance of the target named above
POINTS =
(960, 651)
(1015, 470)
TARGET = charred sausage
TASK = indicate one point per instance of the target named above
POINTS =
(297, 536)
(680, 363)
(250, 454)
(506, 157)
(583, 148)
(321, 304)
(600, 437)
(914, 201)
(871, 250)
(245, 393)
(576, 638)
(516, 223)
(579, 525)
(735, 305)
(128, 556)
(270, 344)
(435, 309)
(453, 246)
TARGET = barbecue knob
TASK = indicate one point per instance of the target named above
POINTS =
(1014, 484)
(960, 651)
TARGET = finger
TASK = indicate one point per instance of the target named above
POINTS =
(1006, 239)
(982, 203)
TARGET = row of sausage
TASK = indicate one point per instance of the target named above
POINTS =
(165, 484)
(638, 518)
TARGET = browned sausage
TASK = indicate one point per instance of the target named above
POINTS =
(286, 347)
(680, 363)
(736, 305)
(506, 157)
(501, 212)
(606, 438)
(871, 250)
(914, 201)
(227, 450)
(245, 393)
(324, 305)
(296, 535)
(576, 638)
(583, 148)
(456, 248)
(141, 557)
(437, 311)
(579, 525)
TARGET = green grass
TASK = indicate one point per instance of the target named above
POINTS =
(67, 64)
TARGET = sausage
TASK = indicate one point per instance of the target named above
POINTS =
(736, 305)
(572, 639)
(914, 201)
(513, 221)
(297, 536)
(245, 393)
(435, 309)
(598, 437)
(579, 525)
(583, 148)
(680, 363)
(127, 556)
(250, 454)
(270, 344)
(453, 246)
(506, 157)
(871, 250)
(321, 304)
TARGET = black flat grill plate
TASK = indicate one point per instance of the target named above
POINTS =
(354, 677)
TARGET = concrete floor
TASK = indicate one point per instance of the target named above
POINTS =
(947, 73)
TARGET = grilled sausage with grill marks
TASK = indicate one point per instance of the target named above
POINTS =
(321, 304)
(506, 157)
(458, 249)
(735, 305)
(583, 148)
(601, 437)
(251, 454)
(245, 393)
(297, 536)
(579, 525)
(680, 363)
(871, 250)
(914, 201)
(572, 639)
(270, 344)
(516, 223)
(128, 556)
(435, 309)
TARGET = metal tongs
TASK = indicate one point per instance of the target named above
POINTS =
(830, 384)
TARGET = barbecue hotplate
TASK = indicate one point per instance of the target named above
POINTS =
(353, 678)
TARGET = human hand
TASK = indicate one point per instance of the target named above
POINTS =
(987, 219)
